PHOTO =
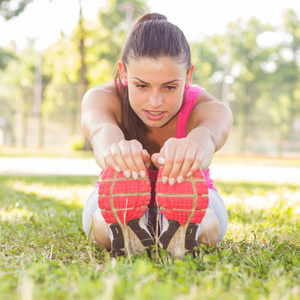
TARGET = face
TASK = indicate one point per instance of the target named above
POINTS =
(156, 88)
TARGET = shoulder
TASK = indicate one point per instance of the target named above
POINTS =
(206, 101)
(102, 99)
(208, 108)
(101, 93)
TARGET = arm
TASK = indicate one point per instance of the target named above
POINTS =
(101, 115)
(209, 125)
(99, 121)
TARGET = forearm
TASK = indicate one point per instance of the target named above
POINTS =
(204, 139)
(106, 135)
(100, 115)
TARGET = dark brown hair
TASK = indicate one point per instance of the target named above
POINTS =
(152, 36)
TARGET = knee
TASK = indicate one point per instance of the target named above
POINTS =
(99, 230)
(209, 231)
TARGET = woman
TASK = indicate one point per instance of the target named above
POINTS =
(154, 135)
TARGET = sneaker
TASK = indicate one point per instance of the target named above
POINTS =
(123, 203)
(183, 207)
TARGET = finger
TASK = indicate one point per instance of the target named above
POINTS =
(139, 167)
(147, 159)
(177, 164)
(187, 163)
(116, 154)
(169, 158)
(132, 155)
(131, 152)
(123, 157)
(110, 162)
(196, 165)
(162, 151)
(158, 160)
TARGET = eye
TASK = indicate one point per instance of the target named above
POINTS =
(171, 87)
(141, 86)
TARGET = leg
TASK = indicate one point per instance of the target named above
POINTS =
(209, 230)
(99, 230)
(218, 208)
(93, 219)
(214, 224)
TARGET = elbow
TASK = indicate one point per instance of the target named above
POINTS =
(226, 127)
(85, 117)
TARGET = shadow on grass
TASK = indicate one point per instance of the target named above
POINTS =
(38, 228)
(251, 188)
(13, 200)
(59, 181)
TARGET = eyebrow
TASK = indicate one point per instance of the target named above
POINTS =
(163, 83)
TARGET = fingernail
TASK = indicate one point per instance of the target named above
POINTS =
(189, 174)
(126, 173)
(143, 174)
(165, 179)
(161, 160)
(135, 175)
(180, 179)
(172, 181)
(117, 169)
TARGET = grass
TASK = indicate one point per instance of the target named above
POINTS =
(44, 253)
(12, 152)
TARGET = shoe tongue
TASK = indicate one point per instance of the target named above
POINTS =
(163, 223)
(110, 234)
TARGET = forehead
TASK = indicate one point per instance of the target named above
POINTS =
(165, 68)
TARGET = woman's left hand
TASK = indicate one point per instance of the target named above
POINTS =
(180, 158)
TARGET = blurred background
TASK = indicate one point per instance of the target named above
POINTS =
(247, 54)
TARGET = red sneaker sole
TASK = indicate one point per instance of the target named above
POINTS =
(185, 202)
(122, 199)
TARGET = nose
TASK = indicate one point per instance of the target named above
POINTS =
(155, 99)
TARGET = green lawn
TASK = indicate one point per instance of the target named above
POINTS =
(44, 253)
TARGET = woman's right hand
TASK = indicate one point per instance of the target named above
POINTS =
(128, 157)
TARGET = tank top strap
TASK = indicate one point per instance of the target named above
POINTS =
(189, 98)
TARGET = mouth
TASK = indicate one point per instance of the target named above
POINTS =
(155, 115)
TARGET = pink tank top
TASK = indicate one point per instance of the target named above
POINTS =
(189, 98)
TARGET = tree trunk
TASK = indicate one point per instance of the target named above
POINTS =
(82, 84)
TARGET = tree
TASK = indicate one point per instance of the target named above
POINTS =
(105, 39)
(17, 85)
(85, 59)
(292, 25)
(248, 58)
(10, 9)
(5, 56)
(208, 67)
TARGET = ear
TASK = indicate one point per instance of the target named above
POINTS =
(122, 71)
(189, 76)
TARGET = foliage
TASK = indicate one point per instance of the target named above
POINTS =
(44, 253)
(5, 57)
(17, 88)
(105, 39)
(260, 61)
(208, 69)
(10, 9)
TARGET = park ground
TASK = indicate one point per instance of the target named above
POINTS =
(44, 253)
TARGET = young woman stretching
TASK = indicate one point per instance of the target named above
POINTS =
(154, 135)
